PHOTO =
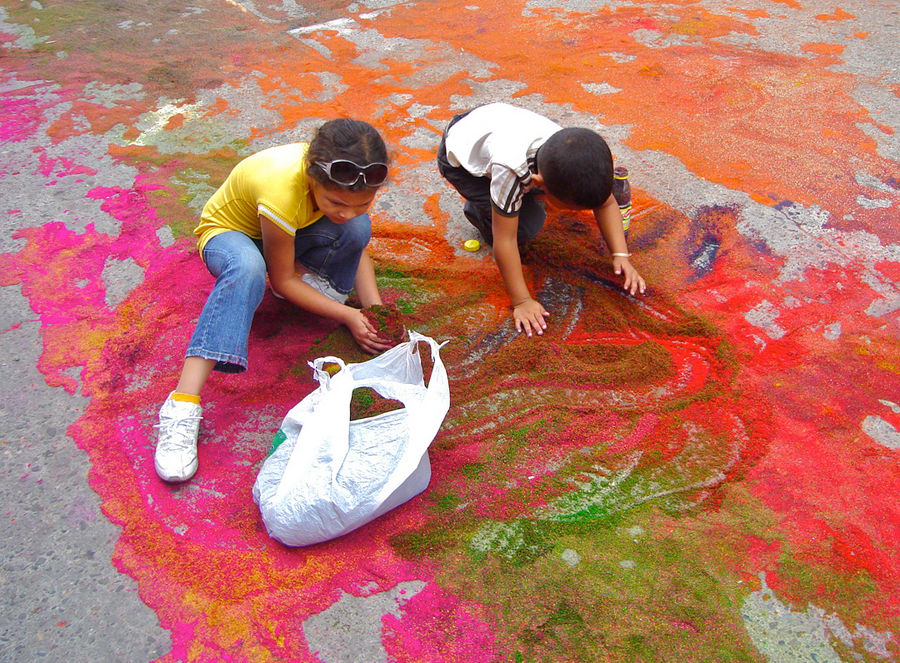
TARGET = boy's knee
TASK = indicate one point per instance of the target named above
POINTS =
(531, 219)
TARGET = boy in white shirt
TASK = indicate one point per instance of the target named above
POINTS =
(506, 161)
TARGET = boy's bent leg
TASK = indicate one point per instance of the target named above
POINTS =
(331, 251)
(531, 219)
(482, 222)
(224, 325)
(476, 191)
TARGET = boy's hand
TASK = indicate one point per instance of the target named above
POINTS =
(634, 282)
(529, 316)
(364, 332)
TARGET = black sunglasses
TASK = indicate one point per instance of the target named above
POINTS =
(347, 173)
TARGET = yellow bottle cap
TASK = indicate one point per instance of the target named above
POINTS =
(471, 245)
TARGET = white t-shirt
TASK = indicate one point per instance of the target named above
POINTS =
(500, 141)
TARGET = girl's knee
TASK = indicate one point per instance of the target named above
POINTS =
(356, 233)
(249, 262)
(246, 269)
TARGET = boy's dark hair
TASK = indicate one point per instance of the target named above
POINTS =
(344, 138)
(577, 167)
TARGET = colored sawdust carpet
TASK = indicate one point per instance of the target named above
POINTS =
(705, 472)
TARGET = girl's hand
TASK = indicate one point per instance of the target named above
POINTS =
(634, 282)
(529, 316)
(364, 333)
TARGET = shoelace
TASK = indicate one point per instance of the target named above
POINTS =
(184, 439)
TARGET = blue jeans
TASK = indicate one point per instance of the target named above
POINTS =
(329, 249)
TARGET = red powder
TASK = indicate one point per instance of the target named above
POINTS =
(388, 320)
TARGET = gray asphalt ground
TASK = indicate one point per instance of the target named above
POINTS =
(63, 600)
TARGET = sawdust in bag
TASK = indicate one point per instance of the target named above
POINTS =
(330, 474)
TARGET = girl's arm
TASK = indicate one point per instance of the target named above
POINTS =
(365, 285)
(278, 249)
(609, 220)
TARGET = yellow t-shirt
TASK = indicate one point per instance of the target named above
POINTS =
(271, 183)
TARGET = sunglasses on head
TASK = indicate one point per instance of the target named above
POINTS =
(347, 173)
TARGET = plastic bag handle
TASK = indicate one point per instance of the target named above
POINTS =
(437, 385)
(322, 376)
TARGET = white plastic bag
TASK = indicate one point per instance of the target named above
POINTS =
(331, 475)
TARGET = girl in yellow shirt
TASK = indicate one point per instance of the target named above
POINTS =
(296, 212)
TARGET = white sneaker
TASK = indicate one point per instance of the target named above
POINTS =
(176, 449)
(322, 285)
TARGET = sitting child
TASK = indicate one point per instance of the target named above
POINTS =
(296, 212)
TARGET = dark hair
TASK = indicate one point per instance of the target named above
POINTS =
(354, 140)
(577, 167)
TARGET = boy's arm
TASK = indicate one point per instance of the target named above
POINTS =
(278, 249)
(609, 220)
(528, 313)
